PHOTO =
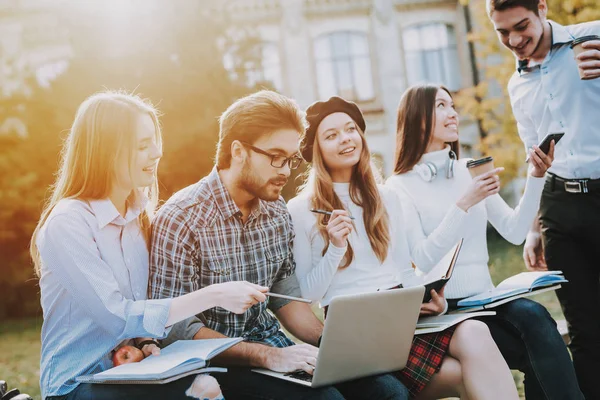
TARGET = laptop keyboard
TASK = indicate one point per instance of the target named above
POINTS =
(302, 375)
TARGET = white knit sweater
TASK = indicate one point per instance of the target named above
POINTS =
(319, 276)
(437, 224)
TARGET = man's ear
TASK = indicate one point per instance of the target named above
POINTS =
(238, 152)
(542, 8)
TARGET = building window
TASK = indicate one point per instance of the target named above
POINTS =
(431, 55)
(343, 65)
(258, 66)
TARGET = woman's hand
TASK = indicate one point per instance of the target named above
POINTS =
(436, 306)
(147, 349)
(482, 186)
(238, 296)
(339, 227)
(150, 349)
(540, 162)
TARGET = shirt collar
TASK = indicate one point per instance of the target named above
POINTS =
(560, 35)
(225, 202)
(106, 212)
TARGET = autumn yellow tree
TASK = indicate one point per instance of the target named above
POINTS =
(488, 102)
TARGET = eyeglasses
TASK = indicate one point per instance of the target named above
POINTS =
(277, 161)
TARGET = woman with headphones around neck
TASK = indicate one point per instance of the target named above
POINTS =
(448, 205)
(337, 255)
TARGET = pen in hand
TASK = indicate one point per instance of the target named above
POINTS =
(325, 212)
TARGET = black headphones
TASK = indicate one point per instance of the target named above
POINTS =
(428, 171)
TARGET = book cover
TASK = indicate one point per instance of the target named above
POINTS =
(437, 278)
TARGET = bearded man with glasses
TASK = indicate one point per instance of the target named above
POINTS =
(234, 225)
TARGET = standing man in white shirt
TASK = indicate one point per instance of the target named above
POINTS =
(553, 91)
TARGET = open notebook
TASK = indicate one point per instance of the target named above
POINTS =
(520, 285)
(182, 358)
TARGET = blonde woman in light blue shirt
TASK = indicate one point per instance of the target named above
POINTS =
(90, 251)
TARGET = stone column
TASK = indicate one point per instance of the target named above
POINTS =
(390, 73)
(297, 56)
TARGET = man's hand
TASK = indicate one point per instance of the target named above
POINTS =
(589, 59)
(539, 161)
(292, 358)
(533, 253)
(436, 306)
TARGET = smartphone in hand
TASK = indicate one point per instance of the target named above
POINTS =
(545, 143)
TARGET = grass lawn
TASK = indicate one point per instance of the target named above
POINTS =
(507, 260)
(20, 340)
(20, 355)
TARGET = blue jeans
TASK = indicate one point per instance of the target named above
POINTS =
(528, 339)
(241, 383)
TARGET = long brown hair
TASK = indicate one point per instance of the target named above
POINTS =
(105, 126)
(363, 192)
(414, 126)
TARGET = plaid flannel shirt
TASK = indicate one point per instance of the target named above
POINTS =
(199, 239)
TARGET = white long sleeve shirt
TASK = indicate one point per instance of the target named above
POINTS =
(436, 223)
(552, 98)
(319, 275)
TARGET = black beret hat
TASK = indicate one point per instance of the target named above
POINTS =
(316, 112)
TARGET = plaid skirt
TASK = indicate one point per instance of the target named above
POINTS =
(424, 360)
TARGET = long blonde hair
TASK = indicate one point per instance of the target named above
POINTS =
(363, 192)
(105, 125)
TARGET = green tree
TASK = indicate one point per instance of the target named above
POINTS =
(169, 52)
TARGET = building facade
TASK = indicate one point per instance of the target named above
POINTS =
(368, 51)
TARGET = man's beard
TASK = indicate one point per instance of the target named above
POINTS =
(250, 183)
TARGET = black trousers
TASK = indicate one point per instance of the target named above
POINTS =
(571, 235)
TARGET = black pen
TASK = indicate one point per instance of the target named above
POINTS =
(325, 212)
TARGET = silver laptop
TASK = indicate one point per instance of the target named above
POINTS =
(365, 334)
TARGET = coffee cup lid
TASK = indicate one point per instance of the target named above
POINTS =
(584, 39)
(481, 161)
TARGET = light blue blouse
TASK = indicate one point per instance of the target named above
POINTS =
(94, 278)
